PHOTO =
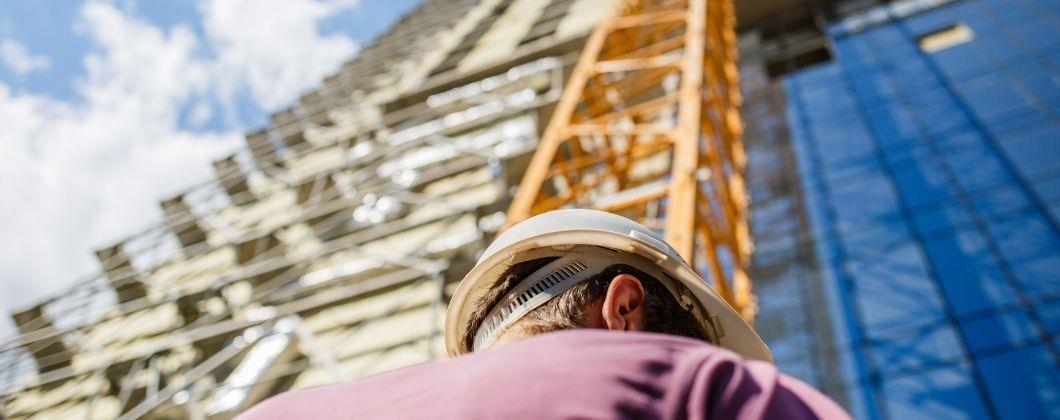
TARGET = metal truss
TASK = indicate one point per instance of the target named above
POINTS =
(648, 127)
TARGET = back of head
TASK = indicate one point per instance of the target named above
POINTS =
(574, 268)
(569, 309)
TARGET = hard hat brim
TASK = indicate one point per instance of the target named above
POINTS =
(733, 332)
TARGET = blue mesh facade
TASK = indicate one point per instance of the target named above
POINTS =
(931, 180)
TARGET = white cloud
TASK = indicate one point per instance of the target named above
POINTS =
(18, 59)
(83, 173)
(272, 47)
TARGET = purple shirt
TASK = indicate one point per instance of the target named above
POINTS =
(578, 373)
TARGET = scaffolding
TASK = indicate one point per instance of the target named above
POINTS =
(324, 251)
(327, 249)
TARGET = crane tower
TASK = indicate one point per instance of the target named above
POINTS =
(648, 127)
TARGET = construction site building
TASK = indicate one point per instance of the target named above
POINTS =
(903, 167)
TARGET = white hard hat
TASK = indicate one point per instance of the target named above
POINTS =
(595, 234)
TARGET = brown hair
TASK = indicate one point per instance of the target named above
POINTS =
(662, 313)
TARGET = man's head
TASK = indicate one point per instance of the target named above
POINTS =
(620, 297)
(577, 268)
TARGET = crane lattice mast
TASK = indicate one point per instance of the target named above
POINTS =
(648, 127)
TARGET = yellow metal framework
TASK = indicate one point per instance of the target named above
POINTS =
(648, 127)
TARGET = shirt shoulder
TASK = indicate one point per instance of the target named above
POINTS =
(580, 373)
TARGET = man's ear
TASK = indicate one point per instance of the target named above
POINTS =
(622, 309)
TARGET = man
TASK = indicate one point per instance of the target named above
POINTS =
(578, 314)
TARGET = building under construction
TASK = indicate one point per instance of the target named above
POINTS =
(895, 162)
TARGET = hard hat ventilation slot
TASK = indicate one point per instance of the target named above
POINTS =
(555, 282)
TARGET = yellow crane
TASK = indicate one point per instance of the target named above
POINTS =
(648, 127)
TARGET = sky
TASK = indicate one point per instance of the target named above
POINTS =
(107, 107)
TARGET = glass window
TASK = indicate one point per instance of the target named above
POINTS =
(1054, 210)
(921, 145)
(899, 158)
(843, 137)
(999, 330)
(1035, 150)
(863, 199)
(1034, 33)
(1024, 237)
(1038, 276)
(1045, 6)
(968, 274)
(1053, 58)
(1000, 46)
(872, 86)
(911, 349)
(938, 116)
(840, 172)
(923, 184)
(914, 76)
(948, 217)
(965, 11)
(1000, 203)
(873, 238)
(827, 102)
(895, 126)
(817, 76)
(1023, 384)
(1053, 106)
(1048, 189)
(1041, 81)
(953, 139)
(958, 137)
(976, 167)
(828, 99)
(945, 393)
(992, 97)
(1006, 13)
(1010, 124)
(894, 289)
(962, 62)
(1049, 312)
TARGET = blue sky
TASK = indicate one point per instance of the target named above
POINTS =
(53, 30)
(110, 106)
